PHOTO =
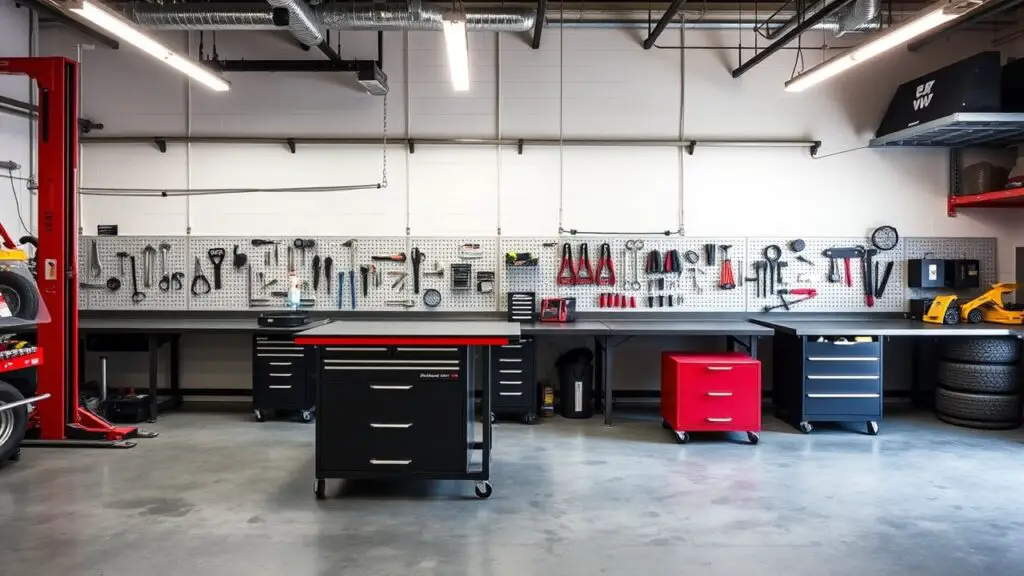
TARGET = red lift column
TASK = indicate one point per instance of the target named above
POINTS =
(60, 417)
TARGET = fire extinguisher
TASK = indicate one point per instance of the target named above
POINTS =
(547, 405)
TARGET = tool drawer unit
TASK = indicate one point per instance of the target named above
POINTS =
(279, 377)
(515, 383)
(710, 393)
(827, 379)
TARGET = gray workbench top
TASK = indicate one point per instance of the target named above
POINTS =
(414, 328)
(688, 327)
(884, 327)
(578, 328)
(183, 324)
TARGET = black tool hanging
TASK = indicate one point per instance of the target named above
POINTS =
(584, 273)
(605, 275)
(653, 263)
(567, 270)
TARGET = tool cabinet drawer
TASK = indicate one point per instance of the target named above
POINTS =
(708, 376)
(823, 404)
(355, 352)
(846, 384)
(421, 353)
(842, 366)
(391, 401)
(843, 348)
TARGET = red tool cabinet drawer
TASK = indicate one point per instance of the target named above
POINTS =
(711, 392)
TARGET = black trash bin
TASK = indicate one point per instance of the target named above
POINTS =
(576, 383)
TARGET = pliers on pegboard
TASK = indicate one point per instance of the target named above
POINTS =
(567, 270)
(605, 275)
(673, 264)
(584, 273)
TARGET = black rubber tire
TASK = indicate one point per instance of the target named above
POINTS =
(978, 425)
(21, 294)
(981, 350)
(980, 378)
(977, 407)
(10, 394)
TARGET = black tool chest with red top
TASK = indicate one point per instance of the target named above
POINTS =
(827, 379)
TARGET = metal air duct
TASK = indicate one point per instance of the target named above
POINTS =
(301, 21)
(857, 16)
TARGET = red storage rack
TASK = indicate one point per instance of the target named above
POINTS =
(710, 393)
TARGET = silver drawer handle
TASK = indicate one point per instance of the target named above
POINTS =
(510, 371)
(510, 360)
(258, 347)
(390, 387)
(510, 381)
(279, 355)
(377, 462)
(360, 349)
(281, 375)
(719, 419)
(392, 368)
(512, 346)
(842, 377)
(510, 393)
(842, 358)
(279, 386)
(720, 368)
(379, 362)
(280, 363)
(400, 349)
(375, 425)
(719, 393)
(842, 395)
(847, 343)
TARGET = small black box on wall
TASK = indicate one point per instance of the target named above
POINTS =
(963, 273)
(926, 273)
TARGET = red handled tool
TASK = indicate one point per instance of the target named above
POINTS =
(567, 271)
(584, 273)
(605, 267)
(807, 294)
(726, 279)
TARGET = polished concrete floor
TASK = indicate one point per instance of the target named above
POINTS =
(217, 494)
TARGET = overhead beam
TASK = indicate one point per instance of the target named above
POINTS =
(290, 65)
(538, 23)
(975, 16)
(806, 24)
(48, 11)
(667, 17)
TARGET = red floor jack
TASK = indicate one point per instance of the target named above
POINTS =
(807, 294)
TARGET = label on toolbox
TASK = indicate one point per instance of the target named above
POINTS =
(447, 375)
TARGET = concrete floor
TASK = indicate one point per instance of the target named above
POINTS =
(217, 494)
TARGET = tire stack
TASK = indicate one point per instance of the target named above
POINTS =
(978, 383)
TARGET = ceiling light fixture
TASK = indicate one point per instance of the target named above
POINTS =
(934, 16)
(457, 46)
(112, 22)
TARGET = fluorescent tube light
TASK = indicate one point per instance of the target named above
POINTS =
(929, 19)
(457, 45)
(112, 22)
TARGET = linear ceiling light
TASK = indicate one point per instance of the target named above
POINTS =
(457, 45)
(110, 21)
(928, 19)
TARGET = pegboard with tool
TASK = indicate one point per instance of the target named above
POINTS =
(133, 272)
(972, 261)
(454, 274)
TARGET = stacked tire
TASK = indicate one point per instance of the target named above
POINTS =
(979, 383)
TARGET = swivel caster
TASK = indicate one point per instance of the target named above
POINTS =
(754, 437)
(873, 428)
(529, 419)
(258, 415)
(483, 490)
(320, 488)
(806, 427)
(493, 418)
(681, 437)
(307, 416)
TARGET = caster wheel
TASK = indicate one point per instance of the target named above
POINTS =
(493, 418)
(530, 419)
(307, 416)
(16, 456)
(873, 428)
(665, 425)
(682, 437)
(806, 427)
(320, 488)
(258, 415)
(754, 437)
(483, 490)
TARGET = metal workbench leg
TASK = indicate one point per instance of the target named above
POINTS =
(606, 376)
(154, 365)
(178, 399)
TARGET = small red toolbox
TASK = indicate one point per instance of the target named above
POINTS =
(718, 392)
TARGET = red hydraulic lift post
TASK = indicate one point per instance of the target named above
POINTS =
(61, 418)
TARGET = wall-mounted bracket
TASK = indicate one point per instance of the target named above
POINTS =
(161, 144)
(519, 146)
(690, 146)
(290, 142)
(815, 146)
(412, 146)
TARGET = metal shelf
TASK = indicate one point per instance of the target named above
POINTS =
(963, 129)
(1000, 199)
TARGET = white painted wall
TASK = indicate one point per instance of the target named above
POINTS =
(14, 130)
(609, 87)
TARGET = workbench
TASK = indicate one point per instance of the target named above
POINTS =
(396, 399)
(823, 373)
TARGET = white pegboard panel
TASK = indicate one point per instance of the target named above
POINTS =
(234, 288)
(108, 248)
(702, 294)
(84, 245)
(447, 251)
(832, 296)
(981, 249)
(538, 279)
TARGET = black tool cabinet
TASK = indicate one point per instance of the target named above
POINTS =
(827, 379)
(513, 373)
(279, 377)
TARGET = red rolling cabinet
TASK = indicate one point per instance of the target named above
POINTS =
(710, 393)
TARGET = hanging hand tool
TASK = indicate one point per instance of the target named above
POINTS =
(778, 272)
(351, 245)
(845, 253)
(653, 262)
(316, 272)
(804, 259)
(137, 296)
(635, 246)
(726, 280)
(869, 284)
(376, 275)
(584, 273)
(567, 270)
(200, 283)
(178, 281)
(691, 257)
(399, 283)
(417, 259)
(291, 259)
(165, 280)
(833, 274)
(364, 272)
(341, 290)
(693, 279)
(673, 264)
(772, 253)
(880, 290)
(605, 275)
(148, 265)
(328, 272)
(437, 271)
(95, 268)
(216, 256)
(304, 244)
(760, 276)
(238, 260)
(797, 245)
(122, 257)
(807, 294)
(400, 257)
(709, 254)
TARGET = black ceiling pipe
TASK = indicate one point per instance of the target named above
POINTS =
(788, 37)
(669, 14)
(290, 65)
(975, 16)
(538, 24)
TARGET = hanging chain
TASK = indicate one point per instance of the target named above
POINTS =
(384, 171)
